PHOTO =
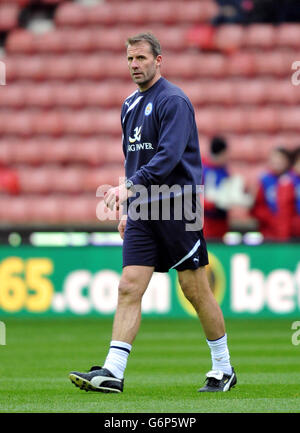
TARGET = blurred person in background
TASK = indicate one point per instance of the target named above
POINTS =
(233, 12)
(289, 201)
(266, 207)
(214, 173)
(257, 11)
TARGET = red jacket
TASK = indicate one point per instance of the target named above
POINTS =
(288, 201)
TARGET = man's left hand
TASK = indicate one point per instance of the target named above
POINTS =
(116, 196)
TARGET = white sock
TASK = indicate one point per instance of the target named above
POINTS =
(220, 354)
(116, 359)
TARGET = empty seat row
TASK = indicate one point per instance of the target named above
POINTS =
(93, 151)
(245, 120)
(107, 150)
(112, 93)
(72, 179)
(191, 66)
(95, 39)
(88, 39)
(66, 95)
(52, 209)
(232, 37)
(135, 12)
(88, 122)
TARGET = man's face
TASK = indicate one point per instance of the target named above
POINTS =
(143, 66)
(278, 162)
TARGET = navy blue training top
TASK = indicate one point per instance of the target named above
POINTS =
(160, 137)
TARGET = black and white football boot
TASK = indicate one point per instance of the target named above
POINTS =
(216, 381)
(97, 379)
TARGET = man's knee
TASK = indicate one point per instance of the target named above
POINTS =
(128, 288)
(193, 285)
(190, 290)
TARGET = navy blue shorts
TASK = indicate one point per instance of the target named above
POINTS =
(164, 245)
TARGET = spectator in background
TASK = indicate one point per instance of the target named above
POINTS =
(289, 201)
(233, 12)
(257, 11)
(9, 181)
(266, 206)
(214, 174)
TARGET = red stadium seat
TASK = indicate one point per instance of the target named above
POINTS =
(25, 68)
(90, 151)
(20, 41)
(67, 179)
(60, 67)
(12, 96)
(59, 150)
(160, 12)
(108, 175)
(249, 92)
(113, 154)
(281, 92)
(261, 119)
(48, 123)
(26, 152)
(70, 14)
(80, 209)
(272, 63)
(229, 37)
(35, 180)
(68, 95)
(16, 123)
(288, 35)
(240, 64)
(8, 16)
(230, 120)
(39, 95)
(46, 210)
(194, 11)
(104, 13)
(260, 36)
(220, 92)
(289, 119)
(14, 209)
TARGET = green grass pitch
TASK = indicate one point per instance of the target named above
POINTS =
(166, 367)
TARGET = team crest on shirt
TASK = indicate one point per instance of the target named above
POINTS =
(148, 109)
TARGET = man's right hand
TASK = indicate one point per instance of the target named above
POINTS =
(122, 225)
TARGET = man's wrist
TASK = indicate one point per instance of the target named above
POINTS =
(129, 185)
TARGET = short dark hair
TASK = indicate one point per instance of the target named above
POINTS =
(218, 145)
(285, 152)
(146, 37)
(296, 155)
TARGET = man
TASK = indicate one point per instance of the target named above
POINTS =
(214, 174)
(160, 144)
